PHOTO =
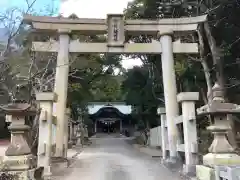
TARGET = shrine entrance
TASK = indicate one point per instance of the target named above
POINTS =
(110, 118)
(108, 126)
(167, 40)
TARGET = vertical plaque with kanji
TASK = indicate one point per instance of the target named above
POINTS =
(115, 31)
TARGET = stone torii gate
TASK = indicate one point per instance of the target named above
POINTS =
(117, 28)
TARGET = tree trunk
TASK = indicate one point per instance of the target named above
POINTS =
(216, 56)
(203, 60)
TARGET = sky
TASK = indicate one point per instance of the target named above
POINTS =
(97, 9)
(39, 5)
(82, 8)
(93, 8)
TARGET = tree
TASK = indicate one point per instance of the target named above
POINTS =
(218, 39)
(22, 69)
(22, 73)
(138, 92)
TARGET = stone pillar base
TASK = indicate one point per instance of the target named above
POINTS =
(79, 141)
(65, 149)
(59, 164)
(70, 144)
(189, 170)
(205, 173)
(212, 159)
(53, 150)
(172, 163)
(74, 141)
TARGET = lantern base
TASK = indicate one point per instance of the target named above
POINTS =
(212, 159)
(18, 163)
(23, 175)
(20, 167)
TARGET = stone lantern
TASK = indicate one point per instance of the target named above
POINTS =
(18, 159)
(221, 153)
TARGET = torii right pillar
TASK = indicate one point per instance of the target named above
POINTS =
(170, 91)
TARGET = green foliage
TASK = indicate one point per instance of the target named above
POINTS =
(138, 92)
(107, 89)
(94, 80)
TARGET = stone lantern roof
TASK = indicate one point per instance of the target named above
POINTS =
(218, 105)
(19, 108)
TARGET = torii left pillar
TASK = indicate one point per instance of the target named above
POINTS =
(61, 87)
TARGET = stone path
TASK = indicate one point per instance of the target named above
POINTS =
(115, 159)
(149, 151)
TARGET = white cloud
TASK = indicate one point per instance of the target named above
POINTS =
(97, 9)
(92, 8)
(130, 63)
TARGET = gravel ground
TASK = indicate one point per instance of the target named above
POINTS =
(114, 159)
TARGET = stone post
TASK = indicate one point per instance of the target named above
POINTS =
(170, 91)
(162, 113)
(46, 100)
(74, 135)
(120, 126)
(78, 135)
(82, 132)
(86, 131)
(75, 129)
(67, 117)
(54, 127)
(61, 87)
(221, 153)
(187, 99)
(95, 126)
(18, 162)
(70, 133)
